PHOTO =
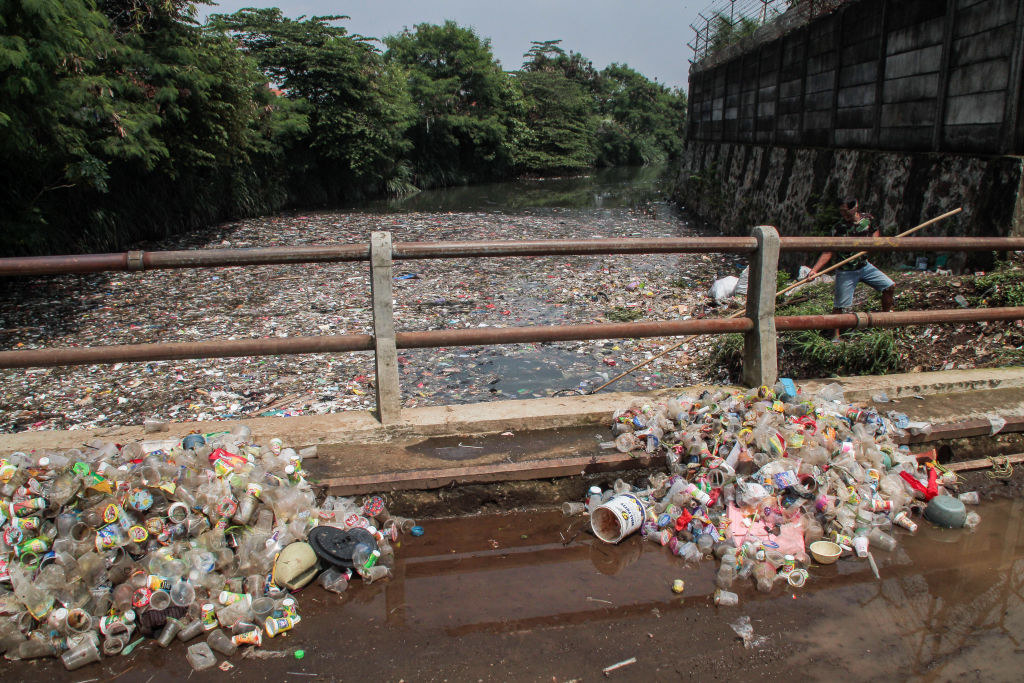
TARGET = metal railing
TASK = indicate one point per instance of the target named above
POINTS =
(759, 326)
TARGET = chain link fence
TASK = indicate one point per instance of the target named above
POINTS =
(725, 22)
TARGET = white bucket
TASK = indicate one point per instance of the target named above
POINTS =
(618, 518)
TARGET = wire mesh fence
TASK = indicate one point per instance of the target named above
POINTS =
(725, 22)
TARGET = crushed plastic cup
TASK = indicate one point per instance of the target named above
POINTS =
(200, 657)
(970, 498)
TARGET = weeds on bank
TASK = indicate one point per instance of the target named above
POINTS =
(1003, 286)
(810, 353)
(621, 314)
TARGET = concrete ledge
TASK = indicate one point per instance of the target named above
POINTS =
(925, 383)
(481, 418)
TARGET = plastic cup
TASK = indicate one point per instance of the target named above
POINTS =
(572, 509)
(221, 642)
(183, 594)
(191, 630)
(78, 621)
(881, 540)
(159, 600)
(170, 630)
(262, 608)
(724, 598)
(80, 655)
(376, 573)
(114, 645)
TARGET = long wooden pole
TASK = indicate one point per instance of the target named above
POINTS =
(778, 294)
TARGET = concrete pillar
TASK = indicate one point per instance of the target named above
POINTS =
(389, 395)
(760, 358)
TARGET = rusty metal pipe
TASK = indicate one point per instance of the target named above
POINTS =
(674, 245)
(203, 258)
(132, 353)
(212, 258)
(197, 258)
(520, 335)
(846, 321)
(901, 244)
(48, 265)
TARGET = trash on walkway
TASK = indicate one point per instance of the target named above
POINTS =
(770, 481)
(174, 539)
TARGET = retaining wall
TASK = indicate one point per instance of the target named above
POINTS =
(736, 186)
(902, 75)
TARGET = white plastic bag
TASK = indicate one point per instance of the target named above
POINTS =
(741, 286)
(724, 288)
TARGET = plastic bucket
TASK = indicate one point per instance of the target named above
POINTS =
(618, 518)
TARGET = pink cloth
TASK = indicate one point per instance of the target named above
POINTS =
(789, 541)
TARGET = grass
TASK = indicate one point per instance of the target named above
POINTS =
(1003, 286)
(811, 353)
(620, 314)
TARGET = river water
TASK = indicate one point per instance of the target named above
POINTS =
(316, 299)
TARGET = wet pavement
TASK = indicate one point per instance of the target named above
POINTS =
(533, 596)
(316, 299)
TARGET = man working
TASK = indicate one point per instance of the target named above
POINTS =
(854, 224)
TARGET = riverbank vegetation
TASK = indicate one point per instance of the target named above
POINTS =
(879, 351)
(123, 120)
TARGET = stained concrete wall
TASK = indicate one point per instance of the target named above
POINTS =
(736, 186)
(902, 75)
(912, 106)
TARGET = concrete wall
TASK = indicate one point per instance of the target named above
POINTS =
(736, 186)
(904, 75)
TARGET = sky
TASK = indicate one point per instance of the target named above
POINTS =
(648, 35)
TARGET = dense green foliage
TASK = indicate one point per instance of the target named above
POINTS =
(123, 120)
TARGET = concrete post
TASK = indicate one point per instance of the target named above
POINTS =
(389, 395)
(760, 359)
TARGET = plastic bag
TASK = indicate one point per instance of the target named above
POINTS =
(741, 284)
(724, 288)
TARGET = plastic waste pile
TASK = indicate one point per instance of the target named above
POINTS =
(767, 480)
(176, 539)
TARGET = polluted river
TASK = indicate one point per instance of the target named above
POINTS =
(757, 533)
(191, 305)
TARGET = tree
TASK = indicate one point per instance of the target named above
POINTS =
(465, 124)
(355, 103)
(642, 121)
(560, 124)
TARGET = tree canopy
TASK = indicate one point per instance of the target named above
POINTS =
(110, 109)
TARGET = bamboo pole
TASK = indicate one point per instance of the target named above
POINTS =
(780, 293)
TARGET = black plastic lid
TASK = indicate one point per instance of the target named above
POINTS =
(335, 546)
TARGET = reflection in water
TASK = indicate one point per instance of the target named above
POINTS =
(946, 601)
(607, 188)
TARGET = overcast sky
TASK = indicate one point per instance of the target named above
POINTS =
(649, 35)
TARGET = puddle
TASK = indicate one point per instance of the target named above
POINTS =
(531, 595)
(567, 441)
